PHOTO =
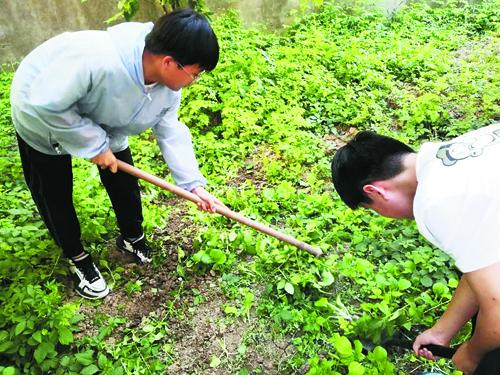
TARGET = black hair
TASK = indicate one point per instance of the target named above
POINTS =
(368, 157)
(186, 36)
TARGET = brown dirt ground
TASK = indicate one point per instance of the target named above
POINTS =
(255, 174)
(200, 330)
(238, 343)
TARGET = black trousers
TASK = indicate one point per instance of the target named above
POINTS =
(50, 180)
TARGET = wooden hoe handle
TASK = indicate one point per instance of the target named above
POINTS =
(125, 167)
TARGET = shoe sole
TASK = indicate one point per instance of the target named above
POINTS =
(87, 296)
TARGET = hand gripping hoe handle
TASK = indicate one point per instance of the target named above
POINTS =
(440, 351)
(222, 210)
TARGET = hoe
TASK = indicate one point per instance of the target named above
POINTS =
(222, 210)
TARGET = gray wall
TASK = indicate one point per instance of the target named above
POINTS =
(24, 24)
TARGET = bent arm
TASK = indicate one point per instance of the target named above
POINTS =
(485, 284)
(176, 147)
(462, 307)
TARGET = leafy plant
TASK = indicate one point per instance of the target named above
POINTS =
(264, 125)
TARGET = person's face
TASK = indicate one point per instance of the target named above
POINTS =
(388, 203)
(176, 76)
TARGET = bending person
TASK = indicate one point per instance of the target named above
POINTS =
(451, 190)
(82, 94)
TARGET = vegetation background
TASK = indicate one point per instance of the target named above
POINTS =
(220, 298)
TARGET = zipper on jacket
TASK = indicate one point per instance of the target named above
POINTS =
(56, 147)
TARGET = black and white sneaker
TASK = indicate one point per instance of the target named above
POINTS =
(89, 282)
(138, 248)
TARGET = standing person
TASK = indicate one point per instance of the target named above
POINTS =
(82, 94)
(451, 190)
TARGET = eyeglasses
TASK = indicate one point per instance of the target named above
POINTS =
(194, 77)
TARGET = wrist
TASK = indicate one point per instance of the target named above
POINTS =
(442, 333)
(196, 189)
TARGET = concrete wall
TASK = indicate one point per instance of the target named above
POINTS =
(24, 24)
(271, 13)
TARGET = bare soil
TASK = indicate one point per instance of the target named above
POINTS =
(237, 343)
(199, 329)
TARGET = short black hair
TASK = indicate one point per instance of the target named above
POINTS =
(368, 157)
(186, 36)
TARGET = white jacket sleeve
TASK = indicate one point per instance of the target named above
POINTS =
(176, 147)
(53, 97)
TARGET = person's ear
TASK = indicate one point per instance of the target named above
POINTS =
(374, 191)
(167, 60)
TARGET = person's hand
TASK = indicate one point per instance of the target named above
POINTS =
(431, 336)
(465, 360)
(208, 201)
(106, 160)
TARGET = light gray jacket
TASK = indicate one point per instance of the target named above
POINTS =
(83, 92)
